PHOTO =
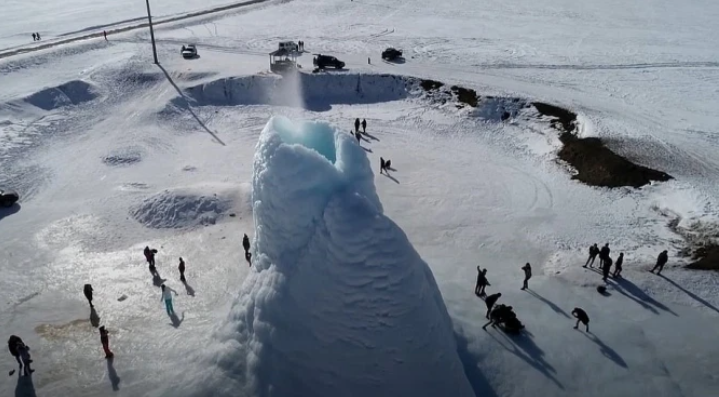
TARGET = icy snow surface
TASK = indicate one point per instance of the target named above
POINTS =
(340, 303)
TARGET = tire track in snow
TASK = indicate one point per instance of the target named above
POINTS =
(56, 43)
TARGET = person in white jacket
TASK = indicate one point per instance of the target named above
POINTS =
(167, 297)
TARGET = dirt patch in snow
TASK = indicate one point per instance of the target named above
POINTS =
(705, 258)
(190, 206)
(124, 156)
(596, 164)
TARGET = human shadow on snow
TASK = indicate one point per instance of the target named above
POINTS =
(523, 346)
(549, 303)
(157, 281)
(607, 351)
(112, 374)
(631, 290)
(189, 289)
(391, 177)
(177, 321)
(480, 384)
(94, 318)
(25, 387)
(691, 294)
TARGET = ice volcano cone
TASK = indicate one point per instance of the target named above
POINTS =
(338, 303)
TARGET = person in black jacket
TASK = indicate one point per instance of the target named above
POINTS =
(357, 125)
(87, 290)
(661, 261)
(181, 268)
(246, 243)
(482, 282)
(582, 317)
(593, 252)
(607, 266)
(12, 345)
(527, 275)
(364, 126)
(603, 253)
(618, 265)
(490, 301)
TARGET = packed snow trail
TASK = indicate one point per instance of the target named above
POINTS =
(340, 303)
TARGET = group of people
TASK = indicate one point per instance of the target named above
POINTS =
(36, 37)
(501, 314)
(301, 46)
(385, 166)
(504, 315)
(605, 261)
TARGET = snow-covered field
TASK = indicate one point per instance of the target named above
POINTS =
(111, 153)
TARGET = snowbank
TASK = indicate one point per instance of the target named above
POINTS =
(316, 92)
(73, 92)
(339, 302)
(187, 206)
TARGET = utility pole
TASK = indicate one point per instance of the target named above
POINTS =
(152, 33)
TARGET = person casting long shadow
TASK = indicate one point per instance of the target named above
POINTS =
(112, 374)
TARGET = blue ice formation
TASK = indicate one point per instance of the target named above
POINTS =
(338, 302)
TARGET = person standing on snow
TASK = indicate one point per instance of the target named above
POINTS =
(24, 352)
(105, 340)
(104, 33)
(357, 125)
(593, 252)
(12, 344)
(364, 126)
(34, 38)
(607, 266)
(618, 265)
(582, 317)
(490, 301)
(662, 260)
(381, 169)
(527, 275)
(38, 36)
(181, 268)
(246, 243)
(87, 290)
(167, 297)
(603, 254)
(482, 282)
(150, 257)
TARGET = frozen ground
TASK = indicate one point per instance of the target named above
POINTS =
(110, 156)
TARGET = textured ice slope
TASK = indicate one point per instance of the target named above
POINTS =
(340, 303)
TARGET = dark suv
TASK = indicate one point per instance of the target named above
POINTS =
(323, 61)
(8, 198)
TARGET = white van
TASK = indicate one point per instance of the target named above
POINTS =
(289, 46)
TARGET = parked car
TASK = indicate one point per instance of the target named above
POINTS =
(391, 54)
(189, 51)
(8, 197)
(323, 61)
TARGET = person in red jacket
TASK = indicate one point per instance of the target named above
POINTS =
(105, 340)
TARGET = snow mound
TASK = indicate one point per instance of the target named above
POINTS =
(123, 156)
(190, 206)
(339, 302)
(318, 92)
(73, 92)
